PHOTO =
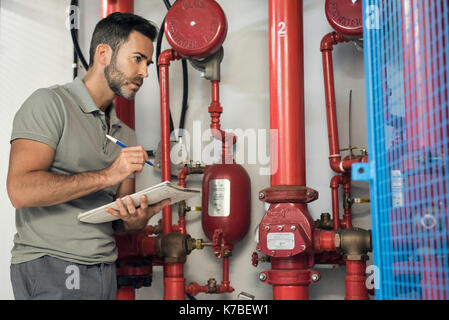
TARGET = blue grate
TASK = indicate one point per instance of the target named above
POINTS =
(407, 79)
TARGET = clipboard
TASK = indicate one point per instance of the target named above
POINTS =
(157, 193)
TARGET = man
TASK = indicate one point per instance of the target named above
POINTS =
(61, 164)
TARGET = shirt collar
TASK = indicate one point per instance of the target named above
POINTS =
(87, 104)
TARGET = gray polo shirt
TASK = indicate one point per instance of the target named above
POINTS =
(66, 118)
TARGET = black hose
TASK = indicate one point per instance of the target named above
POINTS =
(185, 92)
(167, 4)
(75, 55)
(74, 34)
(190, 297)
(158, 53)
(185, 95)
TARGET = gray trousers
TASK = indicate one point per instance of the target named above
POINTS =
(49, 278)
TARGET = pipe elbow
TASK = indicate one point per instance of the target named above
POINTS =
(167, 56)
(336, 181)
(331, 39)
(336, 164)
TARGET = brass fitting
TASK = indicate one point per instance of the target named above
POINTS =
(325, 221)
(199, 243)
(174, 247)
(212, 286)
(347, 203)
(355, 243)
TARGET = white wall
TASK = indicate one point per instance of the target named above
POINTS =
(36, 51)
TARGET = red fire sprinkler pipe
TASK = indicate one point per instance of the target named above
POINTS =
(335, 161)
(290, 276)
(174, 282)
(287, 92)
(123, 107)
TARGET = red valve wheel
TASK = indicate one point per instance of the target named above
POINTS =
(196, 28)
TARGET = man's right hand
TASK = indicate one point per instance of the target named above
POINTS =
(130, 160)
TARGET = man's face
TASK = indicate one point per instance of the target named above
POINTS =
(129, 65)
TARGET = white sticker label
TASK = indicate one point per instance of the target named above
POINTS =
(397, 189)
(280, 241)
(219, 197)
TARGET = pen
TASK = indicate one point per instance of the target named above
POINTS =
(118, 142)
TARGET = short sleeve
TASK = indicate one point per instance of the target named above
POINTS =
(40, 118)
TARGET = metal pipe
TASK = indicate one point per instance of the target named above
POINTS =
(326, 47)
(287, 92)
(355, 280)
(286, 67)
(174, 287)
(123, 107)
(215, 110)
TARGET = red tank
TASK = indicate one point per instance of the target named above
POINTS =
(195, 28)
(226, 201)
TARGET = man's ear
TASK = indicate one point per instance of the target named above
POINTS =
(103, 54)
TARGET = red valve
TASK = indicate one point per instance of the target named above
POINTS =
(218, 243)
(255, 259)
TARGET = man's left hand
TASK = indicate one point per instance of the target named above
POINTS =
(136, 219)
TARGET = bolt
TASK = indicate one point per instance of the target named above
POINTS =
(267, 228)
(262, 277)
(293, 228)
(261, 195)
(192, 23)
(315, 277)
(280, 228)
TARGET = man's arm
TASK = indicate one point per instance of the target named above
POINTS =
(30, 184)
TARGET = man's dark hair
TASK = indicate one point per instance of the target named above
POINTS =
(114, 30)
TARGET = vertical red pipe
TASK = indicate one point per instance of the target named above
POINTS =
(292, 292)
(286, 67)
(326, 48)
(287, 92)
(123, 107)
(174, 282)
(355, 281)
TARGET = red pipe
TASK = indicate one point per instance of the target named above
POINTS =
(298, 265)
(355, 281)
(287, 92)
(123, 107)
(227, 139)
(347, 216)
(290, 277)
(126, 293)
(323, 240)
(327, 44)
(173, 272)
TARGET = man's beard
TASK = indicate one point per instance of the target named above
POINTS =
(118, 81)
